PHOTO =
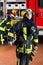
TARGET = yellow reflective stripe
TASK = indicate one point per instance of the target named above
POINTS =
(25, 33)
(21, 49)
(3, 21)
(10, 34)
(2, 29)
(15, 35)
(8, 29)
(36, 40)
(27, 51)
(15, 21)
(32, 38)
(2, 40)
(18, 61)
(8, 22)
(12, 22)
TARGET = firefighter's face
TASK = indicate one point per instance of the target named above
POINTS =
(29, 15)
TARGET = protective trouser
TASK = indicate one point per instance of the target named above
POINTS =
(23, 59)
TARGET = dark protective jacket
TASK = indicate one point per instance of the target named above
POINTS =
(24, 30)
(4, 25)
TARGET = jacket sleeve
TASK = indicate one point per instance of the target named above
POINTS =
(34, 24)
(13, 32)
(35, 34)
(8, 25)
(10, 34)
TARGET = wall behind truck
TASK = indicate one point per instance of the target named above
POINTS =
(16, 0)
(1, 9)
(19, 5)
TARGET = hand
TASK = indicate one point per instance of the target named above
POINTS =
(10, 43)
(36, 48)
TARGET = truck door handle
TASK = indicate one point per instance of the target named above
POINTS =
(37, 14)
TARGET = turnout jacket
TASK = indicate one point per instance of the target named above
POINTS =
(4, 26)
(23, 31)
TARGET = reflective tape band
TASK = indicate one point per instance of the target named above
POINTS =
(21, 49)
(27, 51)
(32, 38)
(8, 22)
(36, 40)
(18, 61)
(8, 29)
(10, 34)
(15, 35)
(2, 40)
(2, 29)
(25, 33)
(12, 22)
(3, 21)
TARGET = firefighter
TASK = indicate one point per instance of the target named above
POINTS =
(25, 32)
(7, 24)
(3, 25)
(2, 30)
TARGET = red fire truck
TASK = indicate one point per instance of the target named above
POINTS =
(37, 7)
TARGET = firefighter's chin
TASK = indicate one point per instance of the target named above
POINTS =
(10, 43)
